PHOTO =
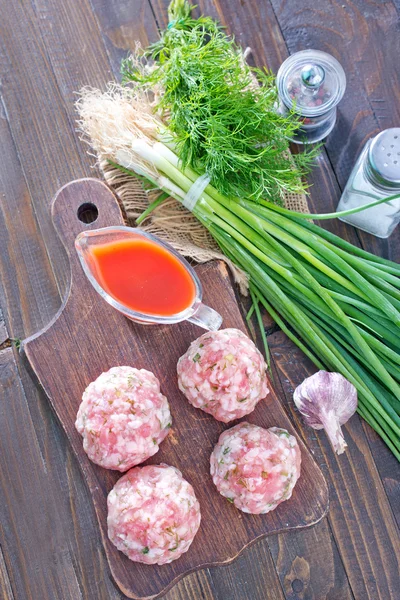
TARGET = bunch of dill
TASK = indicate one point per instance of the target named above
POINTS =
(224, 121)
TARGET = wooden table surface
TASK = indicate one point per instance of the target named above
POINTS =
(50, 546)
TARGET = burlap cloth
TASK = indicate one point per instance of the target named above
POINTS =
(174, 224)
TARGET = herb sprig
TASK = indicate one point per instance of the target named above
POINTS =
(224, 122)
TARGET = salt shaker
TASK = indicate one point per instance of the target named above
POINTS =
(376, 175)
(312, 83)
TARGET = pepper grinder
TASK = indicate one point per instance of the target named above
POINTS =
(311, 83)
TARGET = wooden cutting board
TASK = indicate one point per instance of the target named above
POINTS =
(87, 337)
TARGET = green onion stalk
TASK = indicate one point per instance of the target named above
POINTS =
(339, 304)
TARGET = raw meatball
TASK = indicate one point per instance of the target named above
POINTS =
(224, 374)
(255, 468)
(123, 418)
(153, 514)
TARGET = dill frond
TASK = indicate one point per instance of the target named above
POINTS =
(225, 122)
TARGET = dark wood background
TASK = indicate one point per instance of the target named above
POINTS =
(49, 542)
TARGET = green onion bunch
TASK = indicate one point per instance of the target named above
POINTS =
(339, 304)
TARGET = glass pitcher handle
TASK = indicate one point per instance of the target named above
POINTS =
(206, 317)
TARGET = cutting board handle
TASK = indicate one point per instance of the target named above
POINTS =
(82, 205)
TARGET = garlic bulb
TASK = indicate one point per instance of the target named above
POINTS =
(327, 401)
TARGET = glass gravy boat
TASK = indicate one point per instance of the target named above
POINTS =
(197, 313)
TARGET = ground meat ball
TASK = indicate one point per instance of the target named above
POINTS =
(153, 514)
(224, 374)
(255, 468)
(123, 418)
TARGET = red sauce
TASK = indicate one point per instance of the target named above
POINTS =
(144, 276)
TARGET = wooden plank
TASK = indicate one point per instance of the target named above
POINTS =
(3, 329)
(31, 298)
(63, 489)
(241, 580)
(30, 535)
(388, 468)
(195, 586)
(303, 575)
(124, 23)
(29, 295)
(40, 109)
(360, 514)
(5, 585)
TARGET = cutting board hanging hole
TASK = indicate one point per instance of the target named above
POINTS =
(87, 213)
(81, 205)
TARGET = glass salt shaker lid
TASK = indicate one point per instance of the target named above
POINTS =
(384, 158)
(311, 80)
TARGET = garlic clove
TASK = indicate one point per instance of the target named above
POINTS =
(331, 424)
(327, 401)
